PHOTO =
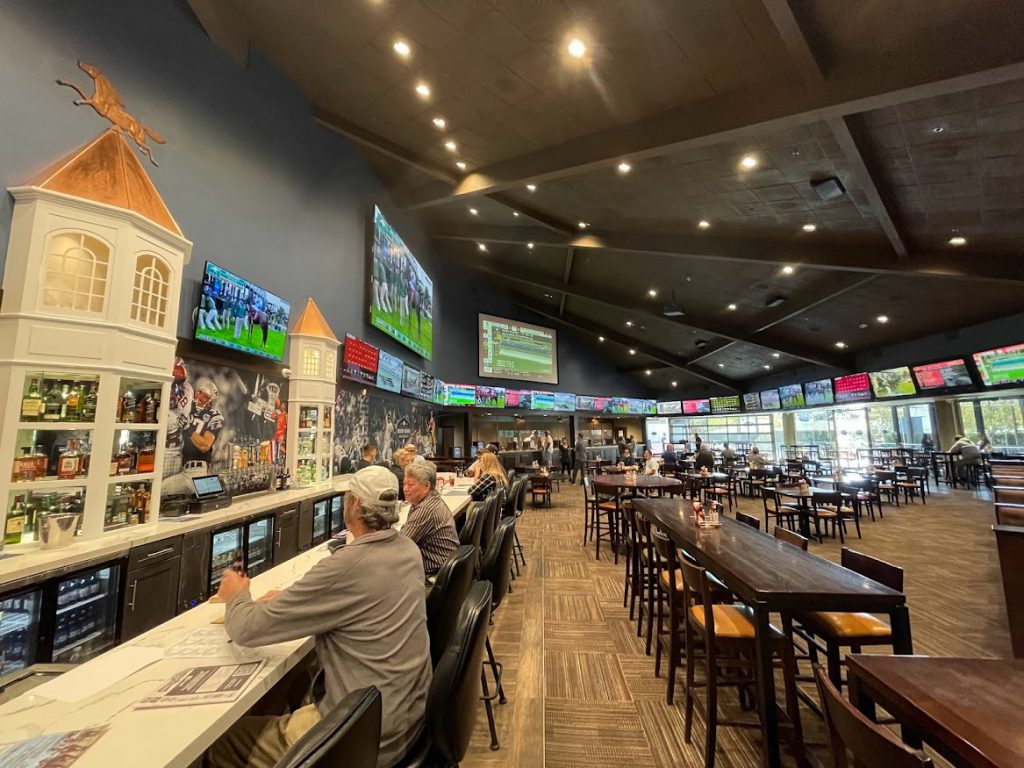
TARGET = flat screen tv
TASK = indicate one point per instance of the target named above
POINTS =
(949, 374)
(585, 403)
(853, 388)
(792, 396)
(691, 407)
(893, 382)
(543, 401)
(1003, 365)
(401, 292)
(770, 400)
(601, 404)
(669, 407)
(510, 349)
(426, 387)
(359, 361)
(490, 397)
(237, 314)
(565, 401)
(411, 381)
(752, 401)
(519, 398)
(819, 392)
(389, 372)
(725, 404)
(460, 394)
(440, 392)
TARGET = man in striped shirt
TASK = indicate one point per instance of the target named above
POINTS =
(430, 522)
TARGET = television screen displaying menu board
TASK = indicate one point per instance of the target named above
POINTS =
(401, 293)
(510, 349)
(426, 387)
(565, 401)
(359, 361)
(725, 404)
(440, 392)
(389, 372)
(670, 407)
(770, 400)
(586, 403)
(819, 392)
(949, 374)
(691, 407)
(490, 397)
(411, 381)
(1003, 365)
(792, 396)
(893, 382)
(543, 401)
(240, 315)
(852, 388)
(519, 398)
(752, 401)
(460, 394)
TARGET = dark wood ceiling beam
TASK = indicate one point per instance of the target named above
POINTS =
(958, 263)
(590, 328)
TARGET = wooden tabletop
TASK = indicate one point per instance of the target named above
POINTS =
(762, 569)
(969, 710)
(793, 492)
(638, 481)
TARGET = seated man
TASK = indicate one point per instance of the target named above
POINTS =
(651, 466)
(430, 523)
(756, 459)
(728, 455)
(704, 458)
(364, 607)
(627, 458)
(669, 455)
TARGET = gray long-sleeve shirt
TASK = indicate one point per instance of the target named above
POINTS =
(364, 605)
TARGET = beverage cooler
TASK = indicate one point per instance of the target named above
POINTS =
(227, 550)
(259, 546)
(321, 520)
(19, 630)
(337, 514)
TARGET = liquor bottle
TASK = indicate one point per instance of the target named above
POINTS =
(70, 462)
(126, 412)
(64, 403)
(126, 460)
(32, 404)
(140, 407)
(146, 458)
(15, 525)
(52, 404)
(89, 403)
(150, 406)
(24, 467)
(74, 403)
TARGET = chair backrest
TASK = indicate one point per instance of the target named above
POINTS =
(497, 562)
(501, 494)
(586, 490)
(770, 500)
(791, 537)
(454, 698)
(879, 570)
(750, 520)
(521, 496)
(348, 735)
(509, 507)
(490, 512)
(848, 729)
(1010, 515)
(473, 528)
(696, 592)
(444, 601)
(828, 499)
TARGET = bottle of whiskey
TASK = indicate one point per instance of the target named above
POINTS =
(64, 404)
(42, 462)
(143, 408)
(127, 408)
(15, 525)
(52, 403)
(126, 460)
(146, 458)
(74, 403)
(32, 403)
(70, 462)
(89, 403)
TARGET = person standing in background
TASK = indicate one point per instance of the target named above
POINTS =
(728, 456)
(631, 444)
(696, 443)
(580, 458)
(547, 445)
(565, 456)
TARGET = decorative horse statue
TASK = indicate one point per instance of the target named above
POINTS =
(107, 103)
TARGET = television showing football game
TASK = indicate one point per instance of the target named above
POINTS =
(893, 382)
(586, 403)
(792, 396)
(389, 372)
(1003, 365)
(543, 401)
(770, 400)
(411, 381)
(819, 392)
(565, 401)
(237, 314)
(460, 394)
(426, 387)
(513, 350)
(949, 374)
(401, 293)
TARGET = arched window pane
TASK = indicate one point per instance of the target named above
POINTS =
(311, 362)
(152, 285)
(75, 273)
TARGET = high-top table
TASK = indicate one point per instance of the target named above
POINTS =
(770, 575)
(618, 483)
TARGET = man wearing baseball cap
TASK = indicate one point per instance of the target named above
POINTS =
(364, 607)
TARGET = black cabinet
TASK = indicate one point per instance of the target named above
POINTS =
(193, 586)
(286, 539)
(151, 586)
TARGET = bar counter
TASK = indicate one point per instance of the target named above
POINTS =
(170, 737)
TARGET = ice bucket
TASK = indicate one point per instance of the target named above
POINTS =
(56, 531)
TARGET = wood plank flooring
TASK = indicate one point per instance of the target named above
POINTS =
(582, 692)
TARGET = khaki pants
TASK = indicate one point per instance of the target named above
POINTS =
(259, 742)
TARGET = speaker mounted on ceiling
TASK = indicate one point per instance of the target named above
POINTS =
(828, 189)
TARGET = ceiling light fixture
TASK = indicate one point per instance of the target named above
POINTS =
(481, 247)
(473, 212)
(732, 307)
(632, 351)
(624, 168)
(938, 129)
(652, 293)
(767, 367)
(787, 270)
(647, 372)
(675, 383)
(440, 123)
(460, 165)
(776, 355)
(531, 187)
(529, 246)
(841, 344)
(703, 224)
(810, 227)
(862, 326)
(957, 240)
(749, 162)
(601, 339)
(402, 48)
(883, 319)
(721, 365)
(516, 214)
(629, 323)
(576, 48)
(423, 90)
(583, 225)
(450, 145)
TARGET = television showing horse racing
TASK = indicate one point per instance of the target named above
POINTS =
(237, 314)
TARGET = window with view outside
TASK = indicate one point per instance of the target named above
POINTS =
(915, 422)
(1003, 423)
(815, 428)
(882, 428)
(969, 418)
(739, 430)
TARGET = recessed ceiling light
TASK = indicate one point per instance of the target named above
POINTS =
(862, 326)
(576, 48)
(516, 214)
(473, 212)
(841, 344)
(629, 323)
(787, 270)
(732, 307)
(749, 162)
(721, 365)
(440, 123)
(529, 246)
(956, 240)
(652, 293)
(632, 351)
(938, 129)
(531, 187)
(703, 223)
(647, 372)
(460, 165)
(882, 319)
(624, 167)
(423, 90)
(481, 247)
(776, 354)
(767, 367)
(675, 383)
(810, 227)
(402, 48)
(450, 145)
(600, 338)
(583, 225)
(548, 296)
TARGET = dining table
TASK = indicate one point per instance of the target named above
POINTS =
(803, 497)
(617, 483)
(770, 575)
(967, 710)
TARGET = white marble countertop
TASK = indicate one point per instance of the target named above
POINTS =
(26, 561)
(173, 737)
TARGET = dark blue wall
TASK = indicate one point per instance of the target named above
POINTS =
(250, 179)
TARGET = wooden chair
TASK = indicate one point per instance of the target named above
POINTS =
(865, 493)
(599, 513)
(750, 520)
(722, 636)
(540, 491)
(754, 482)
(913, 484)
(669, 585)
(886, 485)
(773, 508)
(791, 537)
(854, 630)
(849, 729)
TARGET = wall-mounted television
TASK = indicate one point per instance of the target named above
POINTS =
(460, 394)
(543, 401)
(585, 403)
(694, 407)
(770, 400)
(490, 397)
(359, 361)
(669, 407)
(390, 370)
(601, 404)
(510, 349)
(519, 398)
(752, 401)
(411, 381)
(565, 401)
(1003, 365)
(819, 392)
(893, 382)
(426, 387)
(401, 292)
(949, 374)
(725, 404)
(237, 314)
(792, 396)
(440, 392)
(853, 388)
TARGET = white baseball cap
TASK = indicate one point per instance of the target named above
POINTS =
(371, 483)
